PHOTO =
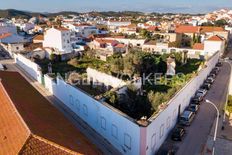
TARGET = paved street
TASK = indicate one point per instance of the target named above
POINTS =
(98, 140)
(197, 134)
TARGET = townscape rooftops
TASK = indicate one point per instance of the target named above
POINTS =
(45, 123)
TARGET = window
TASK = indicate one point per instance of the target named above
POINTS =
(77, 104)
(153, 141)
(85, 110)
(114, 131)
(164, 50)
(17, 48)
(127, 141)
(161, 131)
(103, 123)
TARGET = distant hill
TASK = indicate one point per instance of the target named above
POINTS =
(64, 13)
(10, 13)
(117, 14)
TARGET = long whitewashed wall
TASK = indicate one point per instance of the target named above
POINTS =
(108, 80)
(160, 127)
(119, 130)
(29, 66)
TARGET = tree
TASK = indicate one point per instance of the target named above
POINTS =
(111, 97)
(116, 63)
(221, 22)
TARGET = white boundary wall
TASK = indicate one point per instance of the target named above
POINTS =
(160, 127)
(30, 67)
(120, 130)
(108, 80)
(116, 127)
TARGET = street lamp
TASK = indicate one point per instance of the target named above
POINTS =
(216, 126)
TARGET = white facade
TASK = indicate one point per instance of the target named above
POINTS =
(58, 39)
(133, 42)
(83, 30)
(8, 28)
(108, 80)
(212, 46)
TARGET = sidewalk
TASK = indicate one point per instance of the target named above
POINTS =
(223, 145)
(89, 132)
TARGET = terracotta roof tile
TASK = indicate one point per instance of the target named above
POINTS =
(41, 117)
(5, 35)
(13, 133)
(38, 37)
(198, 46)
(187, 29)
(211, 29)
(215, 38)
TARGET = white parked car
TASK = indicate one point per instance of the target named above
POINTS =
(1, 67)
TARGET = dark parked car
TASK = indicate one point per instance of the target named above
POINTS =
(186, 118)
(219, 64)
(178, 133)
(206, 86)
(196, 99)
(193, 107)
(166, 151)
(213, 75)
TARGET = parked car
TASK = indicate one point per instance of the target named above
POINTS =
(2, 67)
(201, 92)
(206, 86)
(214, 72)
(193, 107)
(196, 99)
(213, 75)
(186, 118)
(178, 133)
(219, 64)
(209, 80)
(166, 151)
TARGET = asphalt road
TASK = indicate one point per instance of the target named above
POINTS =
(197, 134)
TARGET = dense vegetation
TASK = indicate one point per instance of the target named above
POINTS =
(135, 102)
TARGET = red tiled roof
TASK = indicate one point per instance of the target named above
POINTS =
(81, 25)
(211, 29)
(40, 117)
(104, 41)
(187, 29)
(38, 37)
(120, 46)
(62, 29)
(198, 46)
(152, 28)
(5, 35)
(215, 38)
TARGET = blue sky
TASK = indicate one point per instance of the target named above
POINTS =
(190, 6)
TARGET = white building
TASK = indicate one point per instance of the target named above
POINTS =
(83, 30)
(59, 39)
(214, 43)
(7, 28)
